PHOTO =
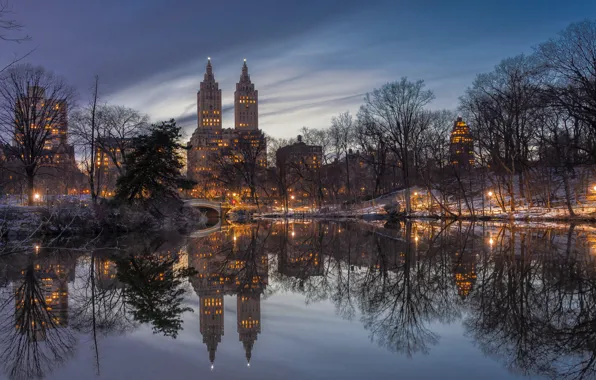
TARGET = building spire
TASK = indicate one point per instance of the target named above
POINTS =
(209, 71)
(244, 77)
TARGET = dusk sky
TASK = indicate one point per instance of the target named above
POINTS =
(309, 60)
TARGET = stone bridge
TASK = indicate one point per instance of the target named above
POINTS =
(213, 210)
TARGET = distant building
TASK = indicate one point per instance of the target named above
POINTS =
(297, 161)
(109, 159)
(54, 112)
(210, 143)
(48, 119)
(461, 145)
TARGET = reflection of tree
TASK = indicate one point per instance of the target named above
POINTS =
(535, 308)
(36, 337)
(100, 308)
(399, 287)
(153, 290)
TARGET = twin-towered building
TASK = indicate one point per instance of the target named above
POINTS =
(210, 141)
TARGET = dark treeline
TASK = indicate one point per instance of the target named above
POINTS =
(533, 121)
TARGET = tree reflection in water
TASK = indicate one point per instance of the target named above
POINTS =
(526, 296)
(35, 334)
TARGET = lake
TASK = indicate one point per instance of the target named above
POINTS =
(304, 300)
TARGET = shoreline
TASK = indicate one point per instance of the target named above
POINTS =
(380, 216)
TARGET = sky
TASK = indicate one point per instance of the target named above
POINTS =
(309, 59)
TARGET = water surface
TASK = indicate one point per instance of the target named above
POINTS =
(296, 300)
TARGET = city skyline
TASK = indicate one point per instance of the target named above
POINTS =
(315, 65)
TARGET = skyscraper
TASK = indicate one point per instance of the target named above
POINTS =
(209, 101)
(246, 103)
(213, 146)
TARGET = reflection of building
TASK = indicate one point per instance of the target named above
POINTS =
(106, 273)
(462, 145)
(210, 142)
(41, 298)
(464, 270)
(226, 264)
(249, 321)
(299, 258)
(212, 321)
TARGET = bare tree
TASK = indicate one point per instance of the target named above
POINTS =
(571, 59)
(394, 110)
(85, 132)
(505, 107)
(117, 128)
(103, 135)
(10, 30)
(341, 135)
(33, 102)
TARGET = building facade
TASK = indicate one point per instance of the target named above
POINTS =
(461, 145)
(110, 154)
(215, 150)
(41, 119)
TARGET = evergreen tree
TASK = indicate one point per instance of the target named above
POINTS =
(153, 172)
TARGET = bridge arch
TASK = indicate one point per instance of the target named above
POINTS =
(215, 211)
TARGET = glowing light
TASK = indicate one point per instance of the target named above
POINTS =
(293, 197)
(209, 58)
(247, 364)
(212, 367)
(245, 61)
(293, 233)
(416, 193)
(36, 196)
(234, 194)
(490, 193)
(416, 238)
(491, 241)
(594, 188)
(234, 238)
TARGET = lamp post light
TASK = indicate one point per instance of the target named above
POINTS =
(490, 203)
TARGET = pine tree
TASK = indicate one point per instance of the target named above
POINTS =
(153, 171)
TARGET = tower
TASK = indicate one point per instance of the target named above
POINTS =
(461, 145)
(249, 318)
(209, 101)
(211, 322)
(246, 103)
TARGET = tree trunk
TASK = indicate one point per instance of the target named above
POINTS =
(31, 189)
(567, 193)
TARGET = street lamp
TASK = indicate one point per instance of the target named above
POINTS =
(36, 196)
(293, 197)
